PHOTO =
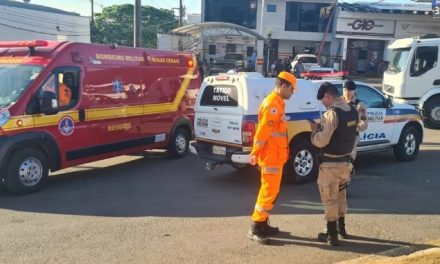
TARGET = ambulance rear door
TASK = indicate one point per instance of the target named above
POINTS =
(219, 111)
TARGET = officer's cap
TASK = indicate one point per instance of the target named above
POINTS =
(326, 88)
(349, 85)
(287, 76)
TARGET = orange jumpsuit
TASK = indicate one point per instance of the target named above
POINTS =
(272, 151)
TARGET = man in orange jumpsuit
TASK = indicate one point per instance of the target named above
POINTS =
(270, 150)
(65, 89)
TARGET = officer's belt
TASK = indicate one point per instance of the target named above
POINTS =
(335, 159)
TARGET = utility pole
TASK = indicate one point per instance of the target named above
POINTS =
(93, 12)
(180, 13)
(137, 41)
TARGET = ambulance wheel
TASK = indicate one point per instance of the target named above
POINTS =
(432, 108)
(303, 164)
(26, 171)
(408, 146)
(178, 146)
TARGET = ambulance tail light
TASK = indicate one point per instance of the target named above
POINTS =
(190, 63)
(247, 132)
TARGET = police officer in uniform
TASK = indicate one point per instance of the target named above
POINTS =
(270, 151)
(334, 136)
(349, 96)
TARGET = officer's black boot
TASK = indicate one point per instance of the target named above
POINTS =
(331, 236)
(341, 228)
(269, 230)
(257, 233)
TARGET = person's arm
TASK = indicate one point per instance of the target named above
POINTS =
(321, 137)
(363, 123)
(270, 116)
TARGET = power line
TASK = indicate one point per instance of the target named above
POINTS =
(51, 28)
(42, 19)
(39, 32)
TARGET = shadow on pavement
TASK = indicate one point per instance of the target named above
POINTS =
(356, 244)
(153, 185)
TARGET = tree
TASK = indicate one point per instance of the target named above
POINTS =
(115, 25)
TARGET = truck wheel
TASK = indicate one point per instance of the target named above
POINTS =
(408, 146)
(178, 146)
(303, 164)
(26, 171)
(432, 108)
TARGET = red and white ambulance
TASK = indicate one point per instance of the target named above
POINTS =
(122, 100)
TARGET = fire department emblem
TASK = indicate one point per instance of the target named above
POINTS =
(66, 126)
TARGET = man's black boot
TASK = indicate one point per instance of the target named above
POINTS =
(256, 233)
(341, 228)
(269, 230)
(331, 236)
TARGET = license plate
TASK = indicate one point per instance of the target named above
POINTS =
(219, 150)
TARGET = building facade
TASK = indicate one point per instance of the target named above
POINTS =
(25, 21)
(353, 37)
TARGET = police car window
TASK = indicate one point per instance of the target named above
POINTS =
(370, 97)
(219, 96)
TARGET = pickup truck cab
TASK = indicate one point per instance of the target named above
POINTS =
(226, 117)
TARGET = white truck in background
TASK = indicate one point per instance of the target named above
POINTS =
(413, 76)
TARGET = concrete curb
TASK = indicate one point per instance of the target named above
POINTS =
(396, 255)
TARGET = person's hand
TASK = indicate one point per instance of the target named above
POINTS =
(253, 160)
(314, 126)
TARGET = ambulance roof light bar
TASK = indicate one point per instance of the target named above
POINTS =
(30, 44)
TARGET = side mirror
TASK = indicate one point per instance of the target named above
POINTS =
(48, 103)
(388, 103)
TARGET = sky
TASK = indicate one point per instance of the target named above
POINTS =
(193, 6)
(83, 7)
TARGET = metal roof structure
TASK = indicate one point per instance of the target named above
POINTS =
(388, 8)
(34, 7)
(216, 29)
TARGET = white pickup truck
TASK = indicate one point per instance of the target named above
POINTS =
(226, 117)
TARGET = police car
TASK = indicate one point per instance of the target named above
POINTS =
(226, 118)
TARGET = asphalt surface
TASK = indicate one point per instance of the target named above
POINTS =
(151, 209)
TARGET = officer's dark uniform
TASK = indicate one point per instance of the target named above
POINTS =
(335, 140)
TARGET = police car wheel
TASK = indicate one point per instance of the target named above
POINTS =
(408, 146)
(27, 171)
(432, 109)
(303, 164)
(178, 146)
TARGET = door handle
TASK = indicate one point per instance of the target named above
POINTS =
(437, 82)
(82, 115)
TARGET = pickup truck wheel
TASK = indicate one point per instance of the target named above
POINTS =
(26, 171)
(303, 165)
(178, 146)
(432, 109)
(408, 146)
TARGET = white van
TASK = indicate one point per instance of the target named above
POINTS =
(226, 117)
(413, 76)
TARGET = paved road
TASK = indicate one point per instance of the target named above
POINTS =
(149, 209)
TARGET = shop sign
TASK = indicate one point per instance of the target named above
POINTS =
(365, 26)
(406, 29)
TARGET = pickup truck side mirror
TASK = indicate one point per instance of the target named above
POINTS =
(48, 103)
